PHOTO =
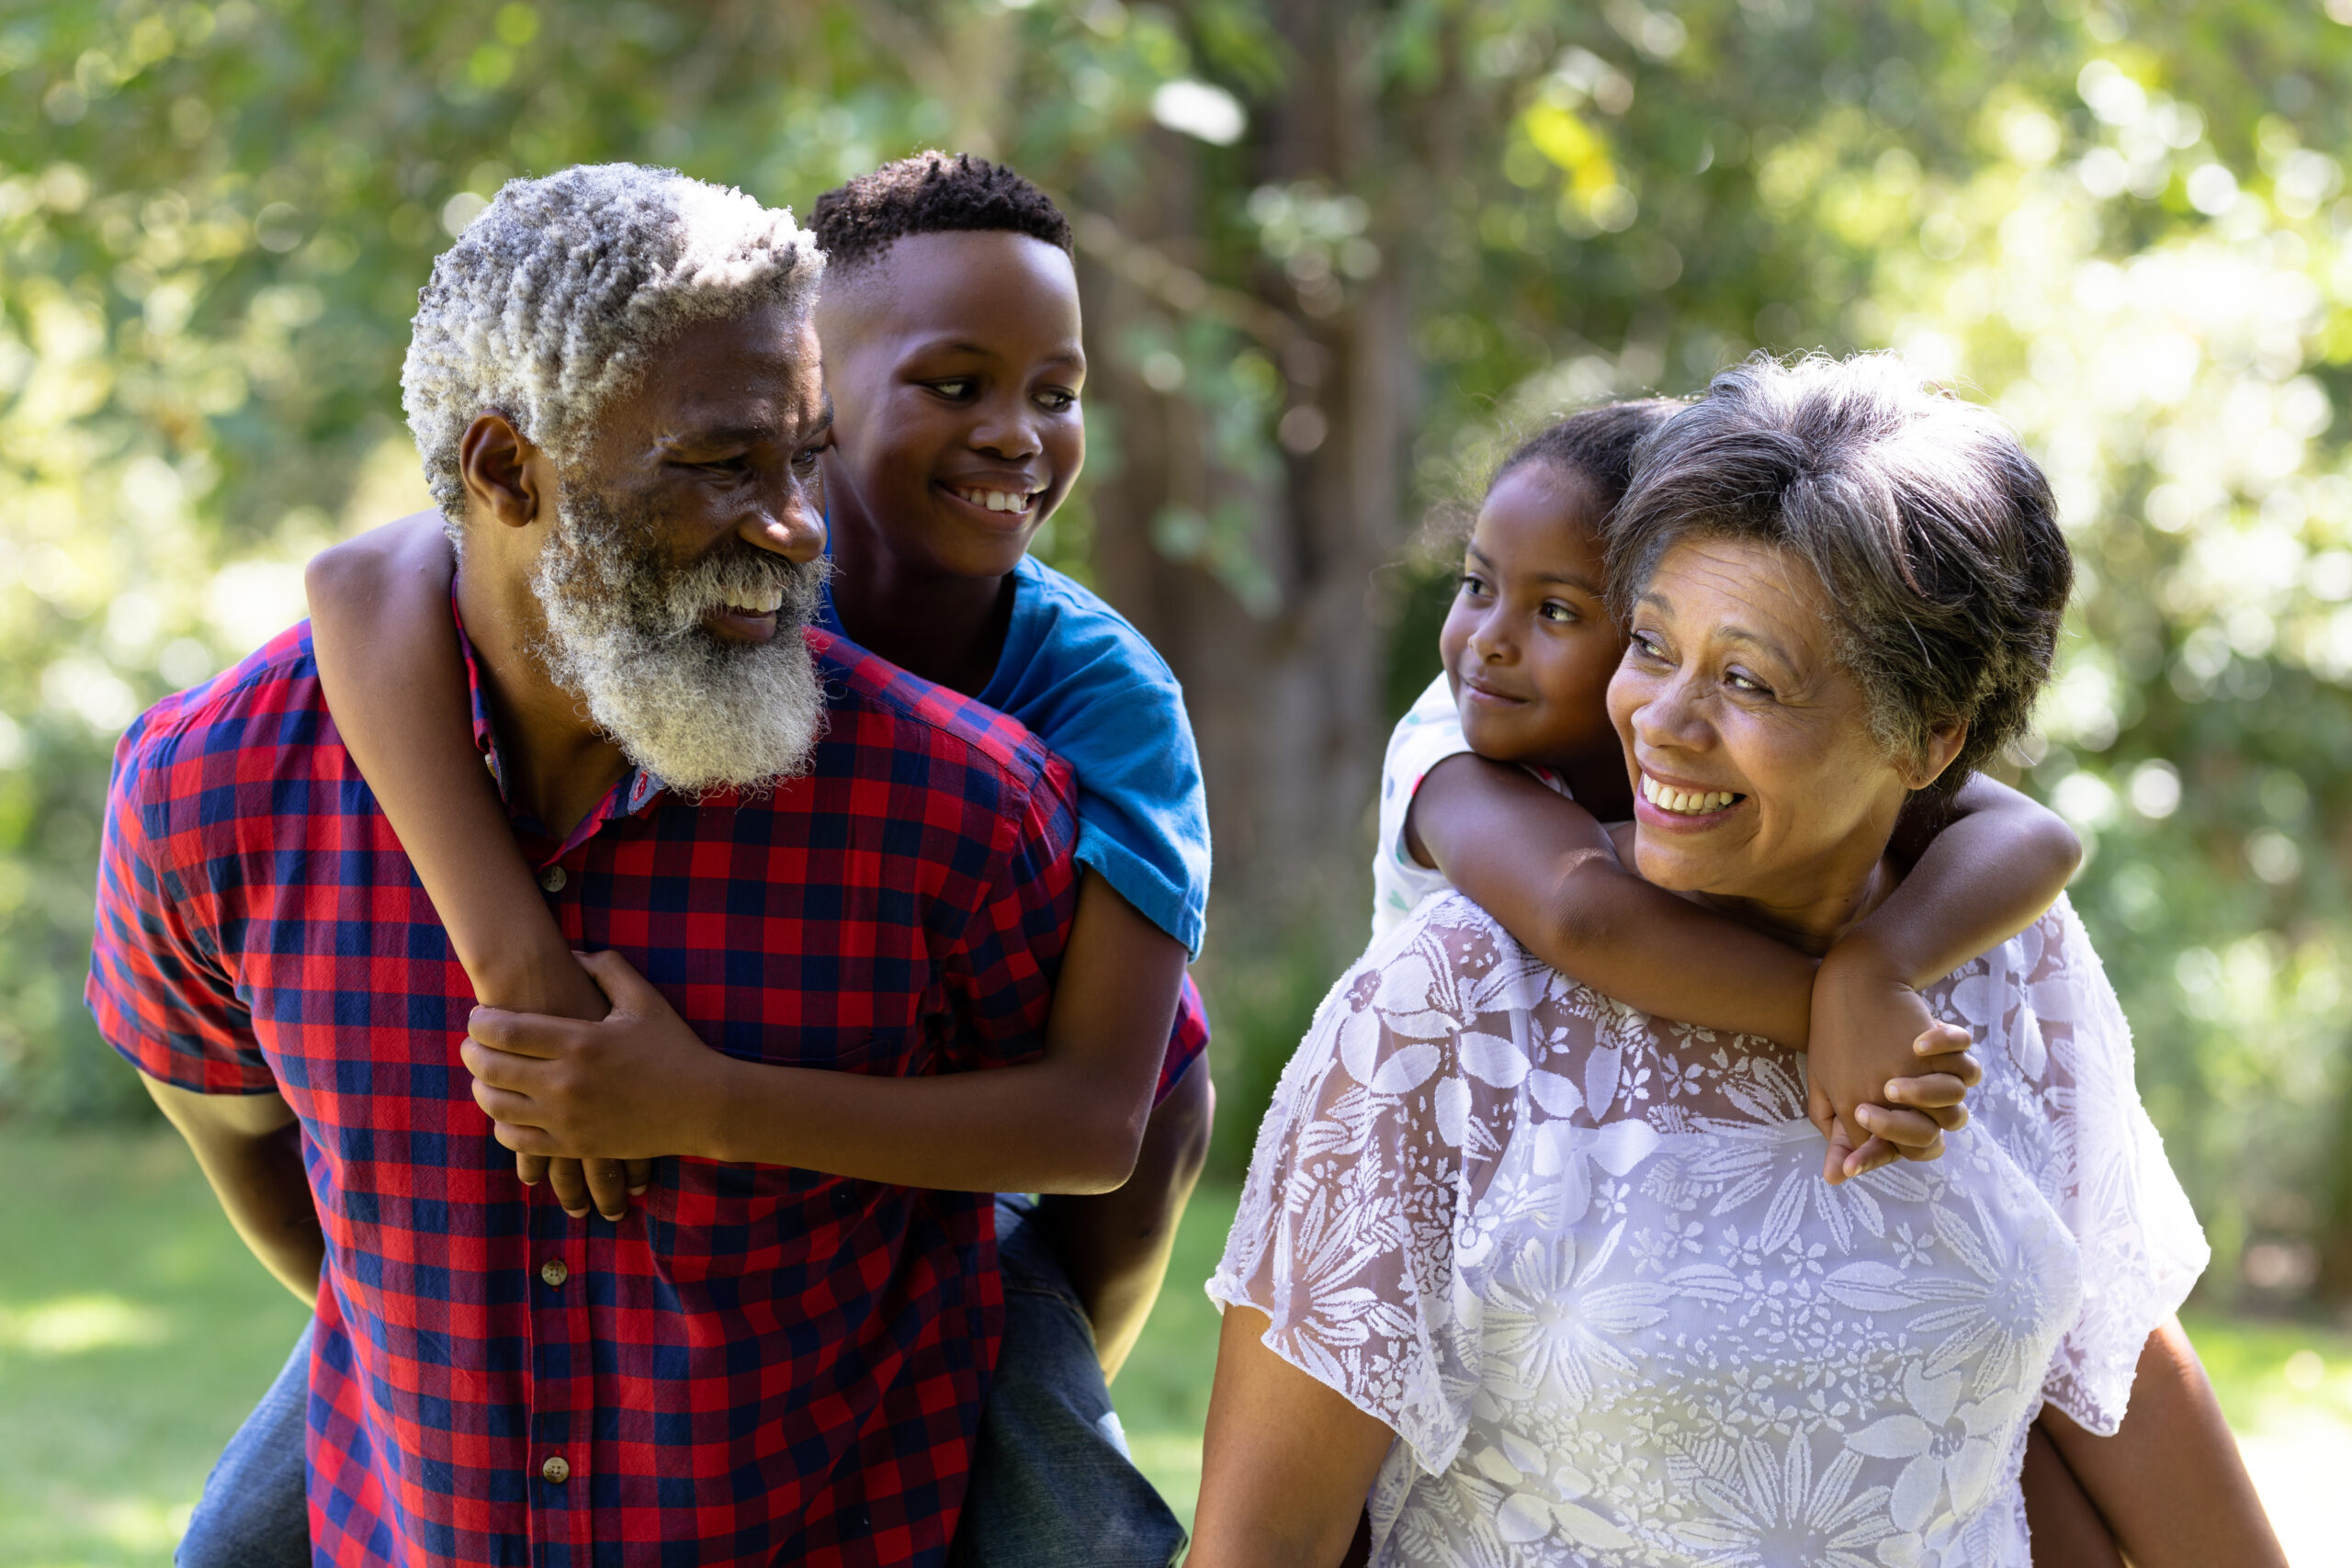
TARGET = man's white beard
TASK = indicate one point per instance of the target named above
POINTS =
(624, 636)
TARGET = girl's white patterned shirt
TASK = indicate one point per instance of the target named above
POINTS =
(1429, 732)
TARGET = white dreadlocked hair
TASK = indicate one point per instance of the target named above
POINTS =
(545, 308)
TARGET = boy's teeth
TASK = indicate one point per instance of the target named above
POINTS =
(997, 500)
(1684, 802)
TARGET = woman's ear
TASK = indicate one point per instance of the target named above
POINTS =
(1944, 741)
(502, 474)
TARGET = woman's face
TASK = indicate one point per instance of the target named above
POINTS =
(1755, 775)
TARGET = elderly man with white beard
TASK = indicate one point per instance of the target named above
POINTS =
(821, 861)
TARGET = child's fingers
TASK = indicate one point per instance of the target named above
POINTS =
(530, 1169)
(569, 1182)
(1927, 1092)
(1872, 1156)
(607, 1187)
(1908, 1130)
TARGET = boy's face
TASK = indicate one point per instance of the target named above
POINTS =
(1529, 646)
(954, 365)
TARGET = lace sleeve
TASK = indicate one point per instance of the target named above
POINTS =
(1346, 1236)
(2099, 1162)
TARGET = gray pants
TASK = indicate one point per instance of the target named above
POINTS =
(1052, 1485)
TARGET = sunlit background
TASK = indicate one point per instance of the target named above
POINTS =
(1333, 254)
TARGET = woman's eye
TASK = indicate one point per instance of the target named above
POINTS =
(1646, 646)
(1746, 683)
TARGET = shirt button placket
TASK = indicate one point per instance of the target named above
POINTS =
(562, 1385)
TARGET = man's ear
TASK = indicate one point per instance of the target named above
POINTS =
(503, 481)
(1944, 741)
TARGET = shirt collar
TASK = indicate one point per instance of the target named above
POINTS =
(637, 791)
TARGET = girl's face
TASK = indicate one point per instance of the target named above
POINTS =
(1529, 646)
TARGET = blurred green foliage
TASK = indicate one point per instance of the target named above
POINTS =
(2126, 227)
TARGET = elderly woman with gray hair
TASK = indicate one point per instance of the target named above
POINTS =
(1523, 1276)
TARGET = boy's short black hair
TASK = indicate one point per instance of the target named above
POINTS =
(930, 193)
(1595, 445)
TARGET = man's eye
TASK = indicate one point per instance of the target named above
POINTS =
(729, 466)
(805, 459)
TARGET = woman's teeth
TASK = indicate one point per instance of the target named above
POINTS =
(997, 500)
(1684, 802)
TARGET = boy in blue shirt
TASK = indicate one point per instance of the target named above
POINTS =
(954, 358)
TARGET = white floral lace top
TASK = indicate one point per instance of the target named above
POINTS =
(1583, 1263)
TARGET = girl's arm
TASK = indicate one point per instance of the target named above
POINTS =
(395, 682)
(1543, 867)
(1996, 865)
(1286, 1462)
(1991, 871)
(642, 1083)
(2170, 1482)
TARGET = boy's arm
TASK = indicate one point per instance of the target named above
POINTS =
(1543, 867)
(2170, 1482)
(642, 1083)
(395, 683)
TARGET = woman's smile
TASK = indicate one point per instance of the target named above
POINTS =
(1681, 807)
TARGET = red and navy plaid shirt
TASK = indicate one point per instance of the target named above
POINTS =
(758, 1364)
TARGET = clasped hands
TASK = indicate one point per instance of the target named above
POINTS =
(589, 1106)
(1884, 1080)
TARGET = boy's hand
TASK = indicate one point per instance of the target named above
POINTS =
(1865, 1089)
(604, 1185)
(636, 1086)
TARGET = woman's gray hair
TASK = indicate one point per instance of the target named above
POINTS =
(545, 308)
(1934, 535)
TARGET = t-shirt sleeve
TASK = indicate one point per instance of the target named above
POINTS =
(2139, 1242)
(1142, 811)
(1429, 732)
(158, 987)
(1001, 972)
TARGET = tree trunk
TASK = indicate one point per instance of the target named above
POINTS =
(1285, 693)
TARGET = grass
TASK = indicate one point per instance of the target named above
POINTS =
(135, 1333)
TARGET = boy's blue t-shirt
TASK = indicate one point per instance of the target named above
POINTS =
(1088, 685)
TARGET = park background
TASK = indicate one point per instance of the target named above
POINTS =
(1333, 254)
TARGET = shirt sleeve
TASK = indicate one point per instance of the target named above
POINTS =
(158, 989)
(1001, 975)
(1347, 1232)
(1142, 811)
(2139, 1242)
(1429, 732)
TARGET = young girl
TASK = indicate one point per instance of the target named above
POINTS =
(1498, 781)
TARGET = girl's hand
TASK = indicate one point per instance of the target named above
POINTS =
(1864, 1087)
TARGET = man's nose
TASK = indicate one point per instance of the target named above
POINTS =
(791, 524)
